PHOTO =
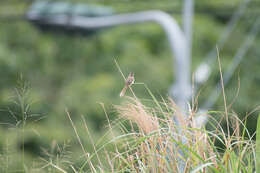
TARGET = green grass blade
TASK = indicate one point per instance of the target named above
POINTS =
(258, 146)
(201, 167)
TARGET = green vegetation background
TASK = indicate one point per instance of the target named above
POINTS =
(77, 72)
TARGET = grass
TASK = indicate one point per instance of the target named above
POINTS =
(154, 136)
(153, 142)
(146, 138)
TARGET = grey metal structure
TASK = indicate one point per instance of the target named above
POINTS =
(240, 54)
(176, 38)
(203, 71)
(188, 12)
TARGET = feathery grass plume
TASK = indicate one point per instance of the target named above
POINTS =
(155, 149)
(135, 111)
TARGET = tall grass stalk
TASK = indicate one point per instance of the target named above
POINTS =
(23, 103)
(258, 146)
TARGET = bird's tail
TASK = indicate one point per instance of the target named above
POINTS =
(122, 93)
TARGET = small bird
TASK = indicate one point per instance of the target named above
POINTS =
(129, 81)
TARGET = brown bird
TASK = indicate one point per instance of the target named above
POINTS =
(129, 81)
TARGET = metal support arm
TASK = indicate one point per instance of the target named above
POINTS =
(174, 34)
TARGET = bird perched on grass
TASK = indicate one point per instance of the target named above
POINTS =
(129, 81)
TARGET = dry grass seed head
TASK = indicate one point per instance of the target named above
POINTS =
(135, 111)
